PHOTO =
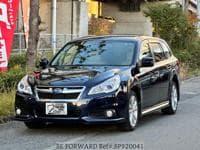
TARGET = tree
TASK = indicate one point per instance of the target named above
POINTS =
(34, 22)
(177, 28)
(171, 24)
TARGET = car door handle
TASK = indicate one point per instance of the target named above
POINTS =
(155, 76)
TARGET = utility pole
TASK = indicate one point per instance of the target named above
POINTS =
(72, 19)
(54, 25)
(198, 15)
(185, 4)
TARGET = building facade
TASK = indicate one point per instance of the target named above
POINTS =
(72, 18)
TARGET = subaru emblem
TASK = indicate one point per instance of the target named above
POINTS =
(57, 90)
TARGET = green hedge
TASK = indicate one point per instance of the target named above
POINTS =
(16, 70)
(9, 79)
(17, 60)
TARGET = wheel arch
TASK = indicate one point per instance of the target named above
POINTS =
(175, 79)
(138, 93)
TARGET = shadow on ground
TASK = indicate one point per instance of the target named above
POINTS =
(64, 129)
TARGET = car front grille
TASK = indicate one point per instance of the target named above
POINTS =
(58, 93)
(58, 96)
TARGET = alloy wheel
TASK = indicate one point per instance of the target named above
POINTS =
(174, 98)
(133, 111)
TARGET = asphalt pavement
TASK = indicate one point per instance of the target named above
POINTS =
(154, 131)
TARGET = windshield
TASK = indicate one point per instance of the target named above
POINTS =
(96, 52)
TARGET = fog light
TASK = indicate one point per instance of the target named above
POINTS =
(18, 111)
(80, 103)
(109, 113)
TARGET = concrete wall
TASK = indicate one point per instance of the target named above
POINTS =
(64, 12)
(64, 19)
(127, 22)
(83, 19)
(45, 14)
(63, 16)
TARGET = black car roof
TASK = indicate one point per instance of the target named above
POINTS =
(121, 37)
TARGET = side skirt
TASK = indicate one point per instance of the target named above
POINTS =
(155, 107)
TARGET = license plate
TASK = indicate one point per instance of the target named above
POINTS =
(56, 109)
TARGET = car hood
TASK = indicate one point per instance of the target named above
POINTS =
(77, 76)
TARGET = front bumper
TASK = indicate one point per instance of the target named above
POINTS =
(88, 111)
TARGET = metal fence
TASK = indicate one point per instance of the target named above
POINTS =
(44, 44)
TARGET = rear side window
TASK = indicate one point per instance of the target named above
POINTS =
(166, 50)
(157, 51)
(145, 50)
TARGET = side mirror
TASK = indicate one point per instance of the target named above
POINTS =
(43, 63)
(147, 62)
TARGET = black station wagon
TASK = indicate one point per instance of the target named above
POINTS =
(103, 79)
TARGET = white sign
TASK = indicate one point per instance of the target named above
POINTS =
(3, 54)
(4, 15)
(4, 19)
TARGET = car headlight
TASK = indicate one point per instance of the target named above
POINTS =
(23, 86)
(107, 86)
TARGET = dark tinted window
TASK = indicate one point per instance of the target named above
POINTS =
(96, 52)
(166, 50)
(145, 50)
(157, 51)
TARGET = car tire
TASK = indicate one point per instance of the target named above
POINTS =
(35, 125)
(132, 114)
(173, 100)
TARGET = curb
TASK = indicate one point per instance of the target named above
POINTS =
(5, 119)
(189, 79)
